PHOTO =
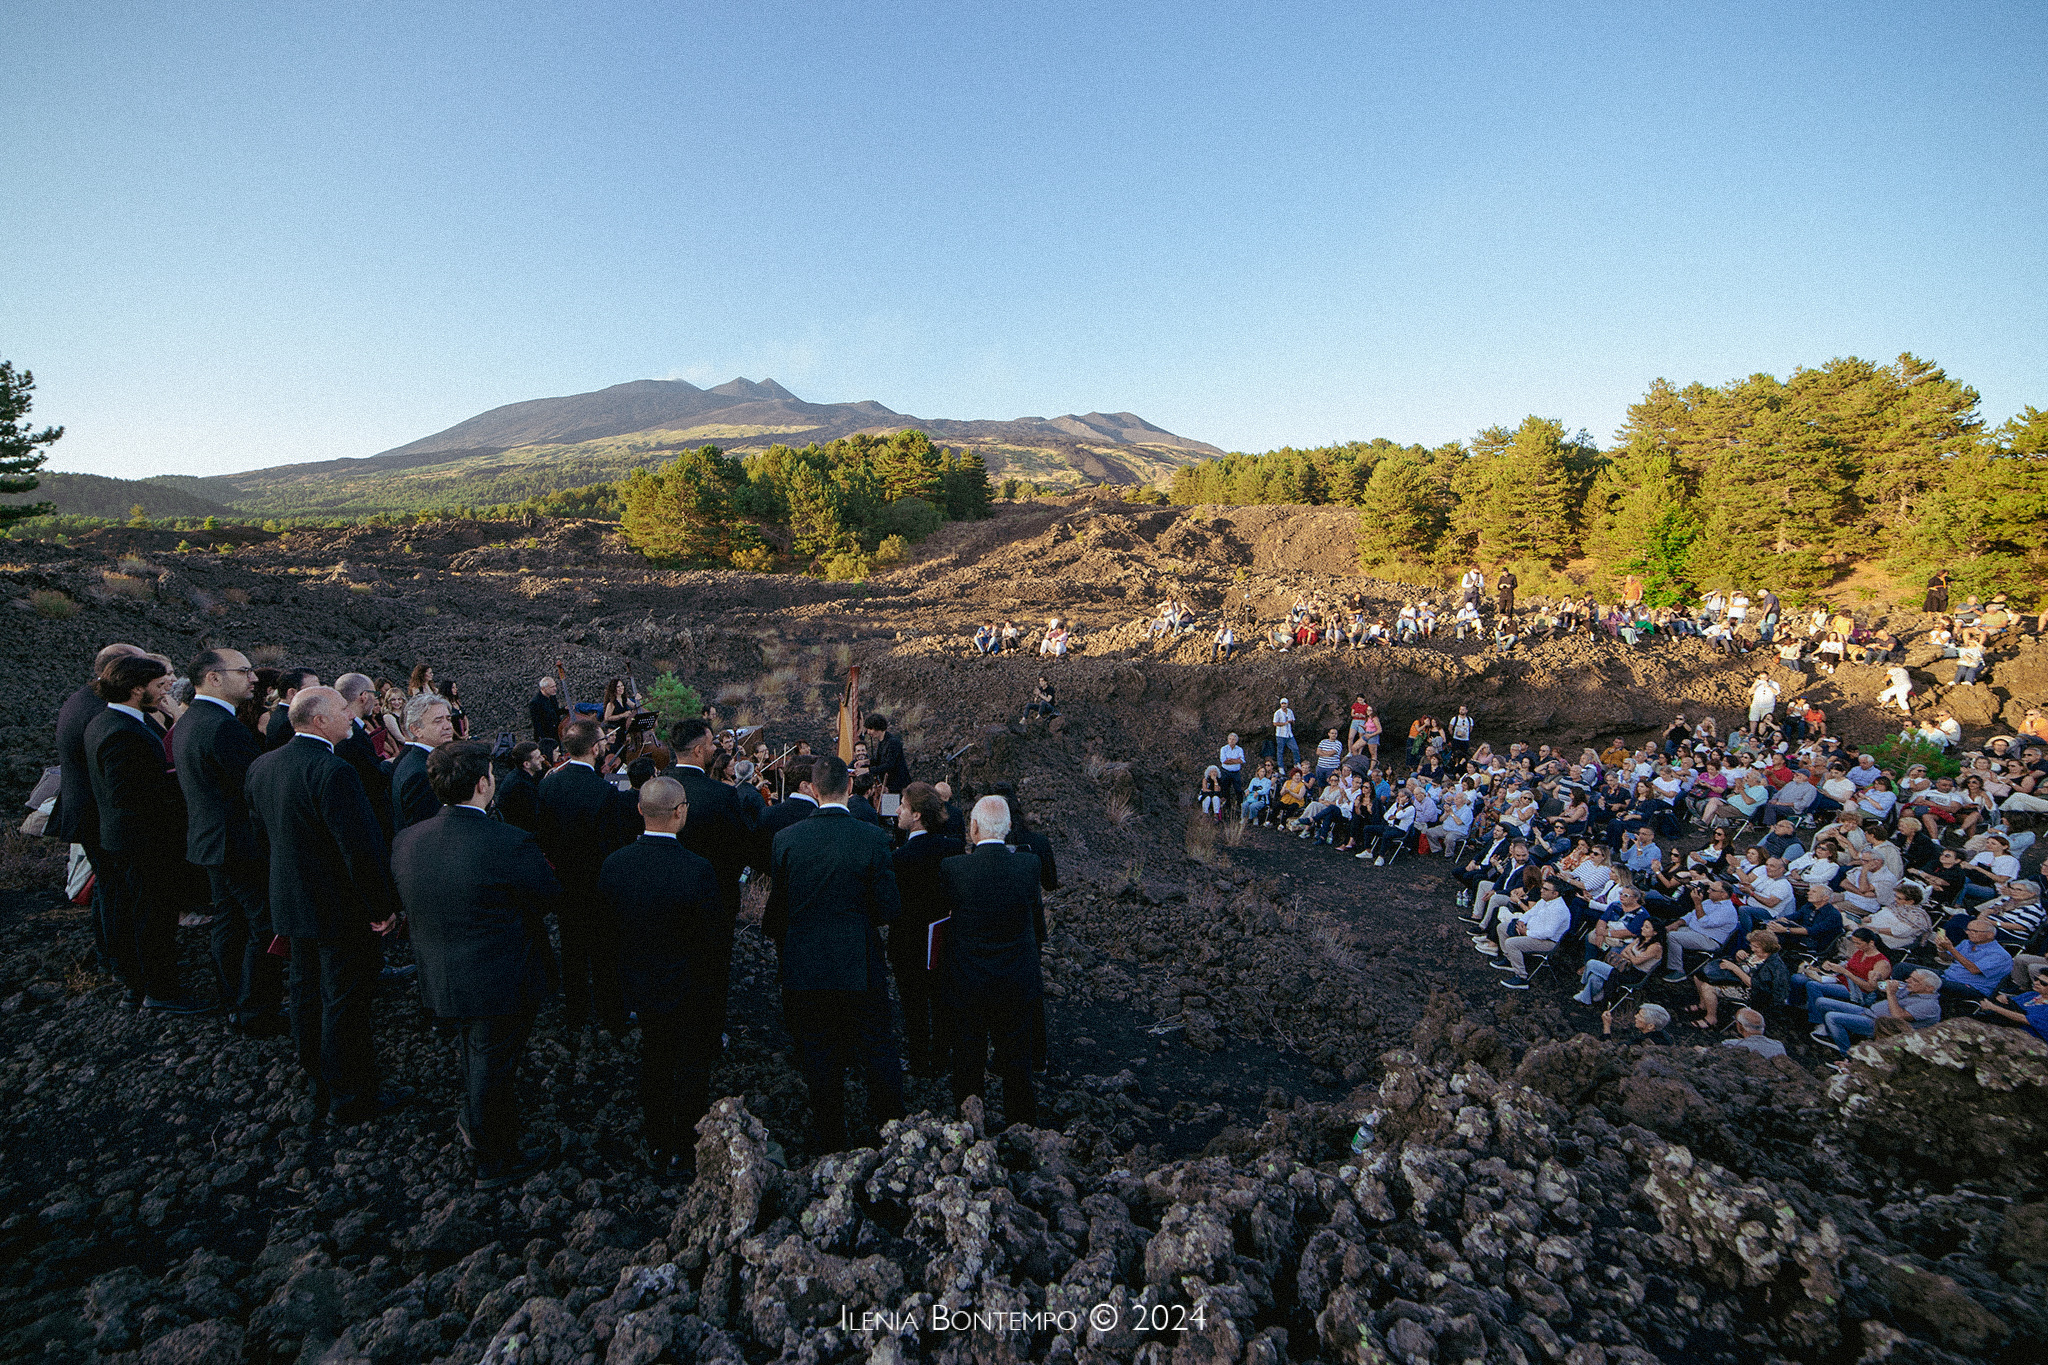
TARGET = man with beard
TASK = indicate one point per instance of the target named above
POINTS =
(519, 793)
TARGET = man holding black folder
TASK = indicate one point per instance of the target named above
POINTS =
(922, 818)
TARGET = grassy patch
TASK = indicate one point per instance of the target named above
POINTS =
(52, 605)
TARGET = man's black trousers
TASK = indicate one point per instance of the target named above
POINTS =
(834, 1030)
(251, 980)
(1007, 1024)
(677, 1048)
(491, 1048)
(333, 983)
(142, 921)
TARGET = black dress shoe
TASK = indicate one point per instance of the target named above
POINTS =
(177, 1004)
(496, 1175)
(362, 1111)
(255, 1024)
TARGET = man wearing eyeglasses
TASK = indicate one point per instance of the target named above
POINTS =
(213, 750)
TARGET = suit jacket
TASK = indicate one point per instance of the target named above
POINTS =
(328, 870)
(579, 824)
(213, 750)
(474, 890)
(888, 763)
(545, 713)
(519, 801)
(835, 886)
(992, 941)
(923, 894)
(142, 812)
(720, 830)
(277, 731)
(671, 919)
(412, 796)
(361, 754)
(788, 811)
(77, 817)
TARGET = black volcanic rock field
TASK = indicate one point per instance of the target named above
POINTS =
(1224, 1014)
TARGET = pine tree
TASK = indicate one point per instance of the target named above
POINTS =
(910, 467)
(1405, 516)
(21, 453)
(813, 514)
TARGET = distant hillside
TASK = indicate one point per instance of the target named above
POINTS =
(525, 449)
(91, 495)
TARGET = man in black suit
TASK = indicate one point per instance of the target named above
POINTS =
(545, 713)
(277, 730)
(474, 891)
(142, 832)
(428, 725)
(212, 751)
(721, 832)
(800, 804)
(330, 894)
(675, 941)
(885, 754)
(992, 980)
(922, 819)
(578, 828)
(77, 819)
(835, 887)
(359, 694)
(1025, 839)
(519, 793)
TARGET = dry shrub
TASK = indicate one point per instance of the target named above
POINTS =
(240, 596)
(842, 656)
(1201, 838)
(52, 605)
(137, 586)
(132, 565)
(1095, 765)
(360, 587)
(31, 863)
(1186, 718)
(430, 610)
(732, 694)
(774, 653)
(267, 656)
(1234, 831)
(1120, 809)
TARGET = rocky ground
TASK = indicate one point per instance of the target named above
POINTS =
(1223, 1015)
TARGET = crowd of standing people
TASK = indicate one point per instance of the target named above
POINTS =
(320, 824)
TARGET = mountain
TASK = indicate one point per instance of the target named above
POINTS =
(91, 495)
(517, 451)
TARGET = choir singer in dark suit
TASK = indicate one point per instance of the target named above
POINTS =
(330, 894)
(475, 891)
(922, 818)
(674, 939)
(77, 819)
(835, 887)
(721, 832)
(213, 751)
(142, 832)
(992, 982)
(578, 826)
(428, 725)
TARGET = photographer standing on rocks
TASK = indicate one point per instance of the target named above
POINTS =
(474, 890)
(330, 894)
(835, 887)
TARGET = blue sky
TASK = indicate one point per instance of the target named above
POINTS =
(250, 235)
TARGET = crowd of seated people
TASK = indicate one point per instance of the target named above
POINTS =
(1804, 858)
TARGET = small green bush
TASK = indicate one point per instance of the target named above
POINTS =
(52, 605)
(673, 700)
(1896, 753)
(892, 551)
(847, 566)
(757, 559)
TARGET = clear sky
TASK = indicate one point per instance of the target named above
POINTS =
(244, 235)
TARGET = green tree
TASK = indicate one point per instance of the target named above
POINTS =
(965, 487)
(909, 466)
(813, 514)
(681, 512)
(22, 450)
(1519, 493)
(1406, 503)
(139, 518)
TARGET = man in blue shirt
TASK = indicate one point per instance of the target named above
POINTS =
(1976, 965)
(2030, 1009)
(1641, 853)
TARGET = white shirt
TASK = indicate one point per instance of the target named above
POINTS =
(1997, 864)
(1283, 723)
(1771, 894)
(1547, 919)
(656, 834)
(226, 706)
(128, 711)
(1461, 727)
(1231, 756)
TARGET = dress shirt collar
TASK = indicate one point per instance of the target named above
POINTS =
(412, 743)
(226, 706)
(655, 834)
(321, 740)
(128, 711)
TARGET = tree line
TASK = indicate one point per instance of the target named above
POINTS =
(840, 508)
(1757, 482)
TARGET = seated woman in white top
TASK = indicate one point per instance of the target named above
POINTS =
(1904, 922)
(1818, 866)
